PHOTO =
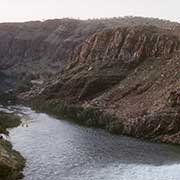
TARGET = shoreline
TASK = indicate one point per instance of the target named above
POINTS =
(11, 161)
(145, 127)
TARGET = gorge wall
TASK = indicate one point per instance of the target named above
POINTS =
(37, 50)
(128, 68)
(131, 73)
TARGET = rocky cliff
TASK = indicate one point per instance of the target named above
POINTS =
(121, 74)
(128, 73)
(37, 50)
(108, 57)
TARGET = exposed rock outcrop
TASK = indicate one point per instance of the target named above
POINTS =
(108, 57)
(128, 73)
(36, 50)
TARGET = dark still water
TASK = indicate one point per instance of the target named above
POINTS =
(59, 150)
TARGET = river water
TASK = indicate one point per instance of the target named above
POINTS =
(60, 150)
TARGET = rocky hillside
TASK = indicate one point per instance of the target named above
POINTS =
(37, 50)
(121, 74)
(34, 49)
(129, 73)
(108, 57)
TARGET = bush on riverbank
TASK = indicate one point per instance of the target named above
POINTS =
(88, 116)
(8, 97)
(8, 121)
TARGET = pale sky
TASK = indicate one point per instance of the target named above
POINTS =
(26, 10)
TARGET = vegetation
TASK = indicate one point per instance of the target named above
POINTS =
(11, 162)
(7, 98)
(88, 116)
(8, 121)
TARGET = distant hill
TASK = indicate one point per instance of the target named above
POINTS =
(41, 49)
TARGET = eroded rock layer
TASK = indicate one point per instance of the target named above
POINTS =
(37, 50)
(129, 73)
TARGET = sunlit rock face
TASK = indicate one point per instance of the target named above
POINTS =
(108, 57)
(128, 72)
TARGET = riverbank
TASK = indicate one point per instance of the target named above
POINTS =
(11, 161)
(56, 149)
(88, 116)
(158, 127)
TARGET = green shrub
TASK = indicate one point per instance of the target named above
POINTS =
(88, 116)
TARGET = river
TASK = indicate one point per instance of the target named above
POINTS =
(59, 150)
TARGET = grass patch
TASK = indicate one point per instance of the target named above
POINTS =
(8, 120)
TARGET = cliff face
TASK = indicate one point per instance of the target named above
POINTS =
(129, 73)
(37, 50)
(108, 57)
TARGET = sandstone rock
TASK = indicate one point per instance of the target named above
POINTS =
(44, 48)
(133, 70)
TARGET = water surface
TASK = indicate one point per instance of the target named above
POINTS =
(59, 150)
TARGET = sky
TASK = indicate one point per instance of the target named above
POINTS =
(27, 10)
